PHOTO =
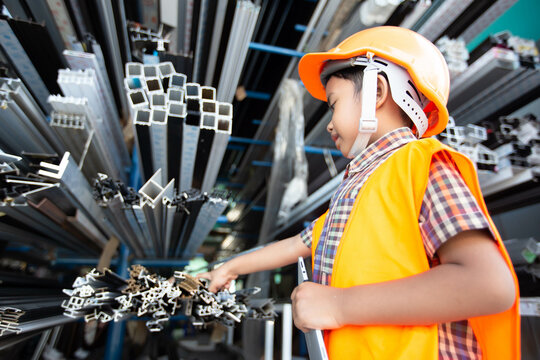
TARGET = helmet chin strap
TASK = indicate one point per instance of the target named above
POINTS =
(367, 124)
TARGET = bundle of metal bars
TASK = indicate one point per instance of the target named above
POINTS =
(85, 96)
(181, 130)
(500, 72)
(243, 26)
(24, 125)
(106, 296)
(48, 203)
(157, 220)
(28, 303)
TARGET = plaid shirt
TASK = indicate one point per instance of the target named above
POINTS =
(448, 208)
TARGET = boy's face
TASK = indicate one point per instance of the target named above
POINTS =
(346, 109)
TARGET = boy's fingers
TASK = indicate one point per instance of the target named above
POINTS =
(205, 275)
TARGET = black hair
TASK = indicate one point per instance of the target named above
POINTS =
(355, 74)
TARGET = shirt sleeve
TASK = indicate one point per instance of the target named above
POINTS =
(448, 206)
(307, 234)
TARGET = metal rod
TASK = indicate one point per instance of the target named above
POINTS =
(115, 335)
(269, 340)
(286, 331)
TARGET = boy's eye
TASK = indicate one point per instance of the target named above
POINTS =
(332, 107)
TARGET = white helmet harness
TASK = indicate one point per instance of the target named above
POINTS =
(404, 94)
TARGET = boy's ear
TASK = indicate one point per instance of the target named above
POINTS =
(383, 90)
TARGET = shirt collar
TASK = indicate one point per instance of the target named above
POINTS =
(389, 142)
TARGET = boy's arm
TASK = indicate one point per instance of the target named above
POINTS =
(472, 280)
(275, 255)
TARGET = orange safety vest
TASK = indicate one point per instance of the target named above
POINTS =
(382, 242)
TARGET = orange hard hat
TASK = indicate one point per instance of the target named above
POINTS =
(406, 48)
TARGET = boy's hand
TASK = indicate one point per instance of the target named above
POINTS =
(316, 306)
(220, 278)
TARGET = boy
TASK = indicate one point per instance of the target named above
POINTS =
(406, 262)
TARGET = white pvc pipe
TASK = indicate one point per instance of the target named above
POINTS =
(269, 340)
(286, 342)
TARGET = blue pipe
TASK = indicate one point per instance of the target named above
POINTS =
(315, 150)
(18, 248)
(303, 28)
(256, 122)
(222, 219)
(258, 208)
(261, 163)
(275, 49)
(236, 147)
(258, 95)
(241, 140)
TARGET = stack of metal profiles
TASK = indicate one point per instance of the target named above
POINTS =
(29, 304)
(83, 90)
(48, 203)
(24, 125)
(493, 80)
(243, 26)
(181, 130)
(106, 296)
(158, 221)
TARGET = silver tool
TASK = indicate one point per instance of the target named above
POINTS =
(314, 338)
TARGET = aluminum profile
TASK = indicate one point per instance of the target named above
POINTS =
(158, 133)
(166, 69)
(193, 91)
(150, 71)
(190, 139)
(72, 106)
(204, 146)
(18, 132)
(152, 194)
(23, 212)
(177, 80)
(69, 175)
(219, 145)
(22, 97)
(209, 214)
(148, 245)
(208, 93)
(84, 84)
(177, 109)
(134, 69)
(158, 101)
(243, 26)
(138, 99)
(175, 94)
(144, 142)
(216, 37)
(153, 85)
(132, 84)
(82, 60)
(168, 222)
(493, 64)
(26, 70)
(175, 126)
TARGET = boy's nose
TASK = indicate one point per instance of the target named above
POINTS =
(329, 127)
